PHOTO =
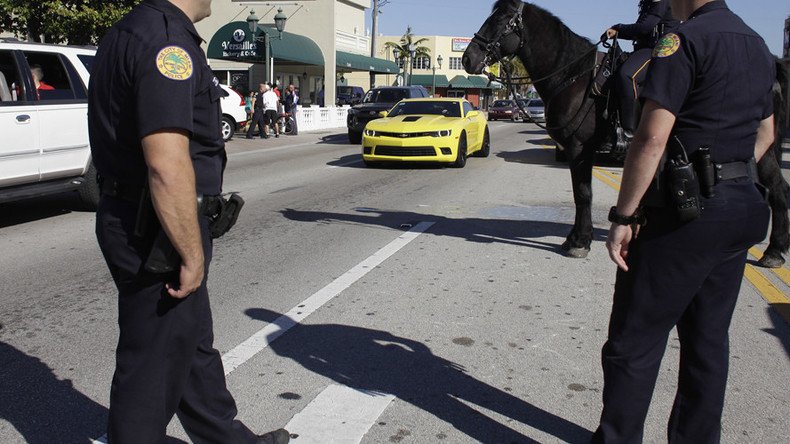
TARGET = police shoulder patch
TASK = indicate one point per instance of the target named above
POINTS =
(668, 45)
(174, 63)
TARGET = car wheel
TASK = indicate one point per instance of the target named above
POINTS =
(512, 118)
(460, 155)
(485, 148)
(228, 128)
(89, 190)
(354, 137)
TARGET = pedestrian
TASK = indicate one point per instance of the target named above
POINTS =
(270, 104)
(709, 92)
(290, 103)
(248, 101)
(154, 117)
(258, 116)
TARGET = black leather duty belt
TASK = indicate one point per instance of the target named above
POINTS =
(207, 205)
(735, 170)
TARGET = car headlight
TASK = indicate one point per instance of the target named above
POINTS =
(442, 133)
(370, 133)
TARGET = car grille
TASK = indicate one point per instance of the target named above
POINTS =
(413, 151)
(402, 135)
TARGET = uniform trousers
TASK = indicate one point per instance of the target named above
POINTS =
(165, 361)
(689, 276)
(630, 77)
(258, 118)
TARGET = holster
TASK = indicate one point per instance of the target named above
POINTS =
(676, 184)
(226, 214)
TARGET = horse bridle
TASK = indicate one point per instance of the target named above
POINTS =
(493, 47)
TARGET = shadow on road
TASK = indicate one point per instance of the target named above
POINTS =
(30, 210)
(505, 231)
(380, 362)
(779, 314)
(334, 139)
(533, 156)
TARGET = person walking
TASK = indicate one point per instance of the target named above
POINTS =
(270, 105)
(258, 115)
(155, 154)
(290, 103)
(708, 93)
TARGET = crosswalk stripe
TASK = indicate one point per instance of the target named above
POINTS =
(339, 414)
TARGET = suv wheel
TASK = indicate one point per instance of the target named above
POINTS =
(89, 191)
(354, 137)
(228, 128)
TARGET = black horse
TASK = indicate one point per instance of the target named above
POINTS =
(562, 62)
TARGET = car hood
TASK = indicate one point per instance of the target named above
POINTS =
(412, 123)
(375, 107)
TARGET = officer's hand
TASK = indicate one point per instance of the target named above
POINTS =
(619, 238)
(611, 33)
(189, 279)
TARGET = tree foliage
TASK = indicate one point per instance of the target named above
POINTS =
(403, 47)
(77, 22)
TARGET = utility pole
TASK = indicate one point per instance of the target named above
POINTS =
(373, 35)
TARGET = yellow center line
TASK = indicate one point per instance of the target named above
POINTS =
(782, 272)
(608, 180)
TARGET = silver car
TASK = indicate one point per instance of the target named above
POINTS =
(536, 111)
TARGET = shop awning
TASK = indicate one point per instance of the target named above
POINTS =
(358, 62)
(426, 80)
(461, 82)
(233, 42)
(482, 83)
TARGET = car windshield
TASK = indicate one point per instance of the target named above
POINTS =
(344, 90)
(385, 95)
(446, 109)
(503, 103)
(536, 102)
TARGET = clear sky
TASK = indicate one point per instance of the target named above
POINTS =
(589, 18)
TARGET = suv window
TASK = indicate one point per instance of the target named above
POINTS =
(503, 103)
(386, 95)
(12, 88)
(54, 82)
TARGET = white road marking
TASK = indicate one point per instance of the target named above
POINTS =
(265, 336)
(355, 407)
(339, 414)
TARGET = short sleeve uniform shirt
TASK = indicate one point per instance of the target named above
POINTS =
(716, 75)
(150, 74)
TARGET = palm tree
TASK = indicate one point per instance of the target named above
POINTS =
(401, 49)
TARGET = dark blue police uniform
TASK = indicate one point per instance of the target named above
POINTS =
(655, 18)
(715, 75)
(150, 74)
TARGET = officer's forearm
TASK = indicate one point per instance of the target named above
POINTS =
(765, 137)
(644, 156)
(171, 177)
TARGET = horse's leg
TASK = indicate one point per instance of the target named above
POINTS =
(580, 161)
(771, 177)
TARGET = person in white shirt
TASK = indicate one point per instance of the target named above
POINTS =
(270, 103)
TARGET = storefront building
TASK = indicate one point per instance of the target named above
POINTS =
(322, 41)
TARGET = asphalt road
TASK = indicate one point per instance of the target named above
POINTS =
(404, 304)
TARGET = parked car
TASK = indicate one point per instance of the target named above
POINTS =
(45, 147)
(536, 111)
(377, 100)
(349, 95)
(503, 109)
(427, 130)
(233, 114)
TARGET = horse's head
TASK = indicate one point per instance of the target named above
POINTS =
(501, 35)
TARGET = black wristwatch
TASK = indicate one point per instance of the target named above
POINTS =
(637, 218)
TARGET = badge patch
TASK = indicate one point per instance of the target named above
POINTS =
(174, 63)
(668, 45)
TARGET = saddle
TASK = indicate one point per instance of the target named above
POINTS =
(606, 64)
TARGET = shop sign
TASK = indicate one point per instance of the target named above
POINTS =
(460, 44)
(239, 46)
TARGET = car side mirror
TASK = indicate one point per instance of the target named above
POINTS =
(383, 113)
(473, 114)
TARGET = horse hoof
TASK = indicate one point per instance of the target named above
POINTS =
(577, 253)
(768, 261)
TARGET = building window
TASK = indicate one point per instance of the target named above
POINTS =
(455, 63)
(422, 62)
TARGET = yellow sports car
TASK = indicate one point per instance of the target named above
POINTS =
(427, 130)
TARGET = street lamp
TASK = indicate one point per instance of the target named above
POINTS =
(396, 56)
(439, 61)
(412, 52)
(279, 22)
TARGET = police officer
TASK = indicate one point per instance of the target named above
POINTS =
(655, 18)
(154, 117)
(709, 85)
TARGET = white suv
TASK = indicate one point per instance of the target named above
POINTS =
(44, 146)
(233, 113)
